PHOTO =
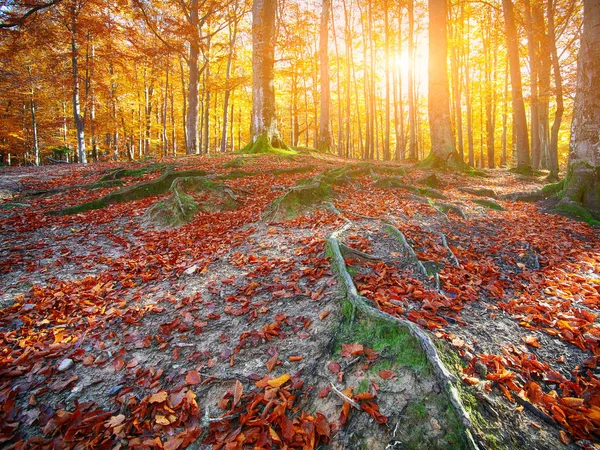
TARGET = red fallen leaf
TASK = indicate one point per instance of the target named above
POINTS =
(322, 425)
(334, 367)
(271, 363)
(118, 364)
(323, 314)
(88, 360)
(532, 340)
(457, 342)
(352, 349)
(237, 392)
(193, 378)
(573, 402)
(387, 374)
(373, 410)
(324, 392)
(173, 444)
(364, 396)
(132, 363)
(295, 358)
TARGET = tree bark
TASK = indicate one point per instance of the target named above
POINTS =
(522, 138)
(324, 139)
(264, 118)
(192, 144)
(533, 83)
(443, 149)
(412, 111)
(553, 146)
(232, 38)
(582, 184)
(81, 154)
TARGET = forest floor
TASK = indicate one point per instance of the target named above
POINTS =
(233, 330)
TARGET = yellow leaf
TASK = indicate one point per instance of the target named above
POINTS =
(162, 420)
(279, 381)
(159, 397)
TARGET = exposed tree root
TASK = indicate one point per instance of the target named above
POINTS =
(349, 251)
(182, 206)
(451, 254)
(479, 192)
(123, 172)
(138, 191)
(90, 186)
(396, 233)
(445, 208)
(397, 183)
(446, 378)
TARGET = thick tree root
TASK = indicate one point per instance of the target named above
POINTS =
(349, 251)
(181, 207)
(90, 186)
(396, 233)
(138, 191)
(479, 192)
(451, 254)
(446, 377)
(397, 183)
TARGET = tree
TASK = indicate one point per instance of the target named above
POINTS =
(522, 144)
(582, 183)
(443, 149)
(264, 131)
(324, 142)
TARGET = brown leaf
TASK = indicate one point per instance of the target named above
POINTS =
(352, 349)
(237, 392)
(387, 374)
(334, 367)
(271, 363)
(193, 377)
(159, 397)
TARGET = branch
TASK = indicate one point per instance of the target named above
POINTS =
(20, 20)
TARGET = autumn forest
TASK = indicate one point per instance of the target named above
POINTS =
(299, 224)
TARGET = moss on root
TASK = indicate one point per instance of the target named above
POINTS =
(188, 196)
(454, 162)
(397, 183)
(489, 204)
(138, 191)
(263, 144)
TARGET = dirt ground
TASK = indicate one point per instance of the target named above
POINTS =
(231, 331)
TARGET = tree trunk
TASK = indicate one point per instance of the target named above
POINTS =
(522, 139)
(412, 112)
(456, 89)
(264, 120)
(81, 155)
(324, 139)
(207, 95)
(443, 150)
(192, 144)
(232, 38)
(533, 82)
(553, 146)
(36, 146)
(582, 184)
(165, 136)
(386, 143)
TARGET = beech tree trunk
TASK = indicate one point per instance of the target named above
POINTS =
(324, 140)
(232, 38)
(81, 155)
(560, 107)
(264, 119)
(522, 138)
(192, 144)
(582, 184)
(412, 111)
(443, 149)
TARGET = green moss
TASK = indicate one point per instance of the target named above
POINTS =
(138, 191)
(554, 188)
(300, 198)
(526, 171)
(363, 386)
(489, 204)
(235, 163)
(394, 343)
(235, 174)
(293, 170)
(454, 162)
(263, 145)
(576, 211)
(123, 173)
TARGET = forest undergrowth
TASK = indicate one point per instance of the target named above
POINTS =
(205, 312)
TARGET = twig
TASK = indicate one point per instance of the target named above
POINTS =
(339, 393)
(208, 420)
(450, 252)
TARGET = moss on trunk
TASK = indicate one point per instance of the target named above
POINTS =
(265, 144)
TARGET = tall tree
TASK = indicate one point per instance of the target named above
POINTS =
(582, 183)
(520, 119)
(560, 107)
(443, 149)
(264, 130)
(324, 139)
